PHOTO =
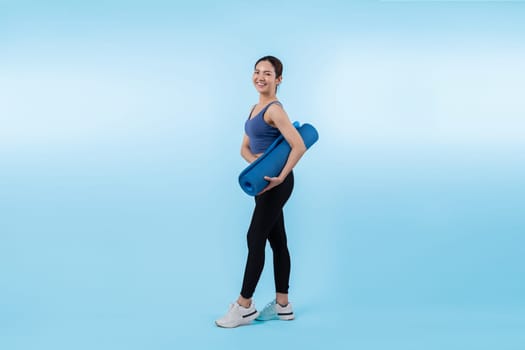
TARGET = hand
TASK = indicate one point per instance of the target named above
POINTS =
(274, 181)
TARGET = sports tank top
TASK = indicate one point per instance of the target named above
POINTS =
(260, 133)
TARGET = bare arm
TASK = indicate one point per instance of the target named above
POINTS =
(278, 117)
(246, 152)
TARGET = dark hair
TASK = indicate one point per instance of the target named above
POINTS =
(275, 62)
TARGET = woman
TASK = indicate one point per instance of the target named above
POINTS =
(266, 122)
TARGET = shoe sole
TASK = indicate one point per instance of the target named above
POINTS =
(244, 321)
(278, 318)
(287, 317)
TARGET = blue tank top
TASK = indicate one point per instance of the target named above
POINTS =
(260, 133)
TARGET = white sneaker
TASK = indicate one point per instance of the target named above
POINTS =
(274, 311)
(237, 315)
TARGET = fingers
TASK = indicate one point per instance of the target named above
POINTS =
(269, 186)
(273, 182)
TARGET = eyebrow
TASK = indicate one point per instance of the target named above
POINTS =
(264, 71)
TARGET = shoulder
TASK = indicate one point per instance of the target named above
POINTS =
(275, 108)
(276, 115)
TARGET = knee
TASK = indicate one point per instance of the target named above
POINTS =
(279, 246)
(255, 244)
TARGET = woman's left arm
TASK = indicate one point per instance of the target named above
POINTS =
(280, 120)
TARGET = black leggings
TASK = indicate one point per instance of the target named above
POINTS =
(268, 224)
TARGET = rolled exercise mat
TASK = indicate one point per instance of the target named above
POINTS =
(272, 161)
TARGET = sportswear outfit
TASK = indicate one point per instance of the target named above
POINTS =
(267, 224)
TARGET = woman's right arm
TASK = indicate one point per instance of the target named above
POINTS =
(246, 152)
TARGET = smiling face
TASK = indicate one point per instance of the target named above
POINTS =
(264, 78)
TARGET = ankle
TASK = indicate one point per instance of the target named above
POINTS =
(244, 302)
(281, 299)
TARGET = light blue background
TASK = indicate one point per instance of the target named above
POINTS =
(122, 225)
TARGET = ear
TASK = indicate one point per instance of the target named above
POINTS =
(279, 80)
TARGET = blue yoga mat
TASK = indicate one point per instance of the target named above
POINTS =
(271, 162)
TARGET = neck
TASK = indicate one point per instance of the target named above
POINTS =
(265, 99)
